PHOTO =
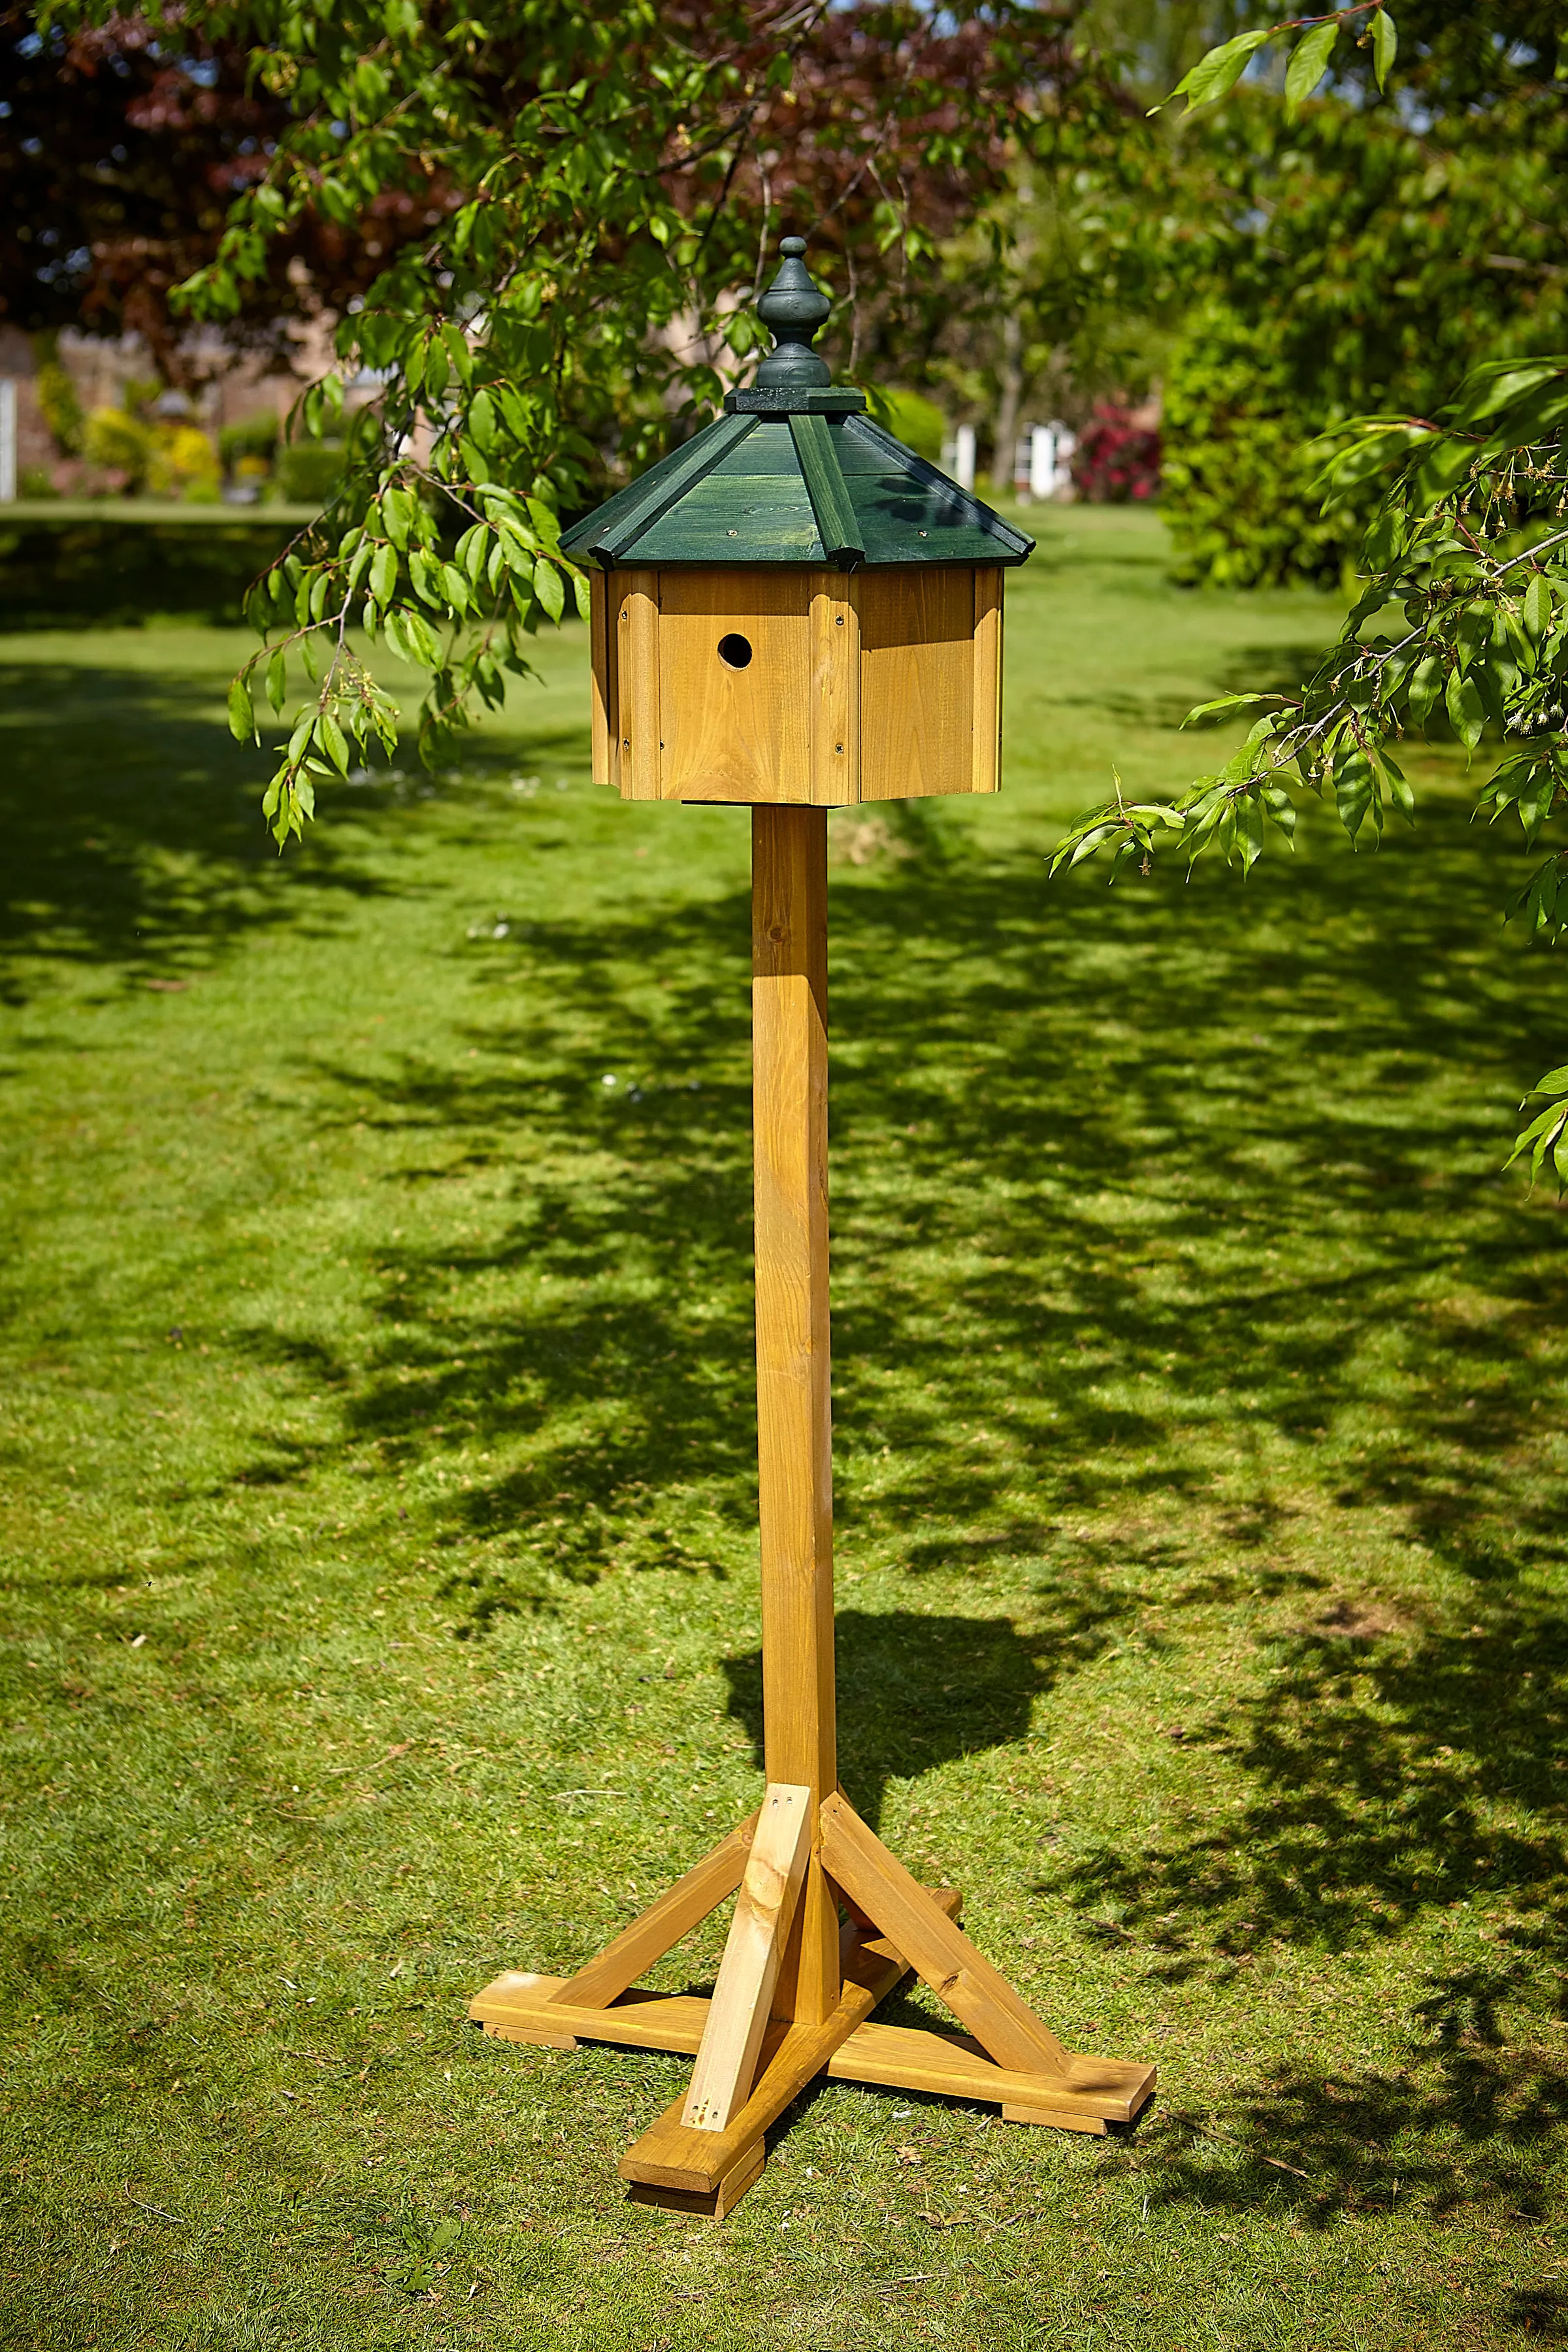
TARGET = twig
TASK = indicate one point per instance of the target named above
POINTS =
(158, 2210)
(1282, 2166)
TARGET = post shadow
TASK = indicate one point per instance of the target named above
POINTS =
(915, 1691)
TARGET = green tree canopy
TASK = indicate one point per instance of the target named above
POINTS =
(616, 172)
(1462, 616)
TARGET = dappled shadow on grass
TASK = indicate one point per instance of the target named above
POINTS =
(1112, 1183)
(1162, 1218)
(133, 829)
(1044, 1204)
(114, 572)
(916, 1691)
(1468, 2122)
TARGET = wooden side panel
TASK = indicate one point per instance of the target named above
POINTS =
(917, 680)
(835, 691)
(637, 675)
(736, 732)
(606, 718)
(987, 743)
(742, 1996)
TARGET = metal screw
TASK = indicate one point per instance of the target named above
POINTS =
(838, 623)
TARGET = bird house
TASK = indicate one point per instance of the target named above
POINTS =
(794, 607)
(794, 611)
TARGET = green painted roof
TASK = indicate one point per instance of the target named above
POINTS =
(745, 491)
(794, 472)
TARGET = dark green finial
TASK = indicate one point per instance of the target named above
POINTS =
(794, 307)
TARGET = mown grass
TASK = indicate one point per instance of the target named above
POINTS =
(379, 1556)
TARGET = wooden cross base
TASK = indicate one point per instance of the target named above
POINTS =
(762, 2037)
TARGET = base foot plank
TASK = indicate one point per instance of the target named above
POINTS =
(1056, 2119)
(671, 2155)
(525, 2008)
(526, 2034)
(713, 2204)
(1092, 2093)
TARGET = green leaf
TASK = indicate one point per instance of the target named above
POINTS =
(277, 679)
(1224, 705)
(550, 589)
(1218, 71)
(1426, 688)
(241, 717)
(1536, 610)
(482, 421)
(330, 735)
(397, 508)
(583, 591)
(1309, 63)
(1385, 46)
(384, 574)
(1467, 713)
(1354, 789)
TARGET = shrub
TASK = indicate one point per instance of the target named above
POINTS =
(37, 482)
(185, 463)
(59, 407)
(1116, 462)
(911, 418)
(120, 444)
(1236, 478)
(308, 471)
(252, 438)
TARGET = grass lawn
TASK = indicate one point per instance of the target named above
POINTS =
(380, 1566)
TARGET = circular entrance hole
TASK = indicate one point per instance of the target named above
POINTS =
(735, 651)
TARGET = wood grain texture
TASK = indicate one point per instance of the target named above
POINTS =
(735, 734)
(664, 1922)
(917, 681)
(673, 2155)
(636, 681)
(525, 2008)
(670, 2154)
(986, 741)
(834, 704)
(899, 2057)
(794, 1423)
(977, 1993)
(742, 1998)
(744, 2175)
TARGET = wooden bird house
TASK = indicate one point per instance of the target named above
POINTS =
(795, 608)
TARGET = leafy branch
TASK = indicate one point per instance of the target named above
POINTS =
(1470, 549)
(1220, 68)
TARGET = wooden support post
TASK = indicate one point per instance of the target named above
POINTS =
(794, 1434)
(808, 1851)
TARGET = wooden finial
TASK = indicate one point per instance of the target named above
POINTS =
(794, 307)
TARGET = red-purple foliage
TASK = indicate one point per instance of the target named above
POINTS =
(1116, 461)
